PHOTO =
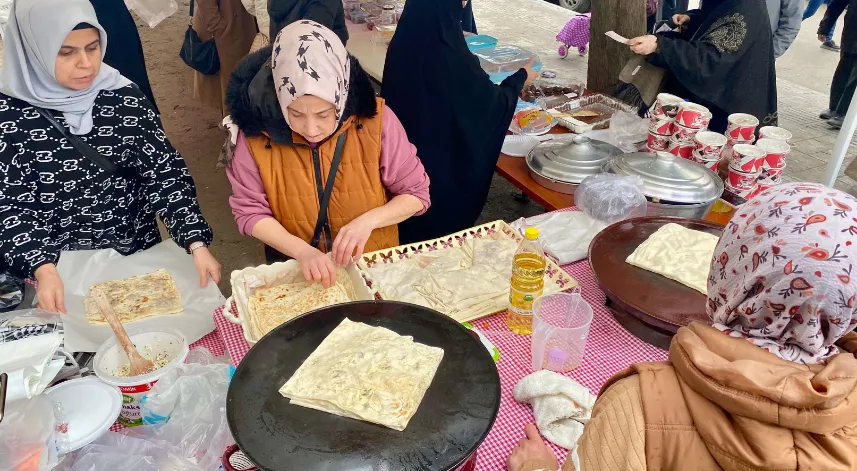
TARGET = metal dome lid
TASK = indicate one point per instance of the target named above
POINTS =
(571, 160)
(669, 178)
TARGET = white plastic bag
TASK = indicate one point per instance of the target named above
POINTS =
(628, 130)
(185, 424)
(27, 439)
(5, 9)
(29, 344)
(152, 12)
(610, 198)
(565, 235)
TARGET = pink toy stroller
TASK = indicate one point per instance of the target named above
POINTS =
(575, 33)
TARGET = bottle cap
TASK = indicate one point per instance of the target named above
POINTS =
(531, 233)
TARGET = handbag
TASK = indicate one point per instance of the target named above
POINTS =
(88, 151)
(198, 55)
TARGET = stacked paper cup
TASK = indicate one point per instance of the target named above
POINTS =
(662, 121)
(745, 167)
(774, 163)
(689, 120)
(740, 129)
(709, 148)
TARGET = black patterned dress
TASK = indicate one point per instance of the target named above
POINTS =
(52, 198)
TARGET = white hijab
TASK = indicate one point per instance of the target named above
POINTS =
(33, 37)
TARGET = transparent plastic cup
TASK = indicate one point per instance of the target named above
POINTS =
(560, 327)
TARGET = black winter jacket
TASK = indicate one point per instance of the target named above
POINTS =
(328, 13)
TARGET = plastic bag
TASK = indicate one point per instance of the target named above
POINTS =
(5, 9)
(152, 12)
(610, 198)
(27, 436)
(30, 342)
(566, 235)
(185, 424)
(628, 130)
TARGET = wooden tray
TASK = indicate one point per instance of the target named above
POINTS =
(649, 305)
(556, 279)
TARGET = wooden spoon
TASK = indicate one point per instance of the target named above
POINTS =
(139, 365)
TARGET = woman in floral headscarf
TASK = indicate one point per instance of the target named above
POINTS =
(779, 389)
(321, 165)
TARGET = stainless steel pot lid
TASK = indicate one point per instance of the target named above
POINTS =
(668, 178)
(571, 160)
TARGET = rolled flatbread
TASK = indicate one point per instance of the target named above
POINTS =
(366, 373)
(136, 298)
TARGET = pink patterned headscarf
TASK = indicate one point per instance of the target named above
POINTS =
(782, 275)
(309, 59)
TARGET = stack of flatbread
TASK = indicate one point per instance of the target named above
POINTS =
(135, 298)
(365, 373)
(678, 253)
(271, 307)
(464, 283)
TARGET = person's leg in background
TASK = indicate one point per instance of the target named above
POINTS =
(842, 89)
(812, 7)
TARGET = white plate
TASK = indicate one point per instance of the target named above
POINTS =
(90, 408)
(519, 146)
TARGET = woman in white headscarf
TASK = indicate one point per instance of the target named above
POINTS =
(84, 160)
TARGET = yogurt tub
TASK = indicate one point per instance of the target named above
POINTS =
(161, 345)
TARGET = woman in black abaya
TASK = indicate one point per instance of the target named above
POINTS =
(125, 53)
(723, 59)
(453, 113)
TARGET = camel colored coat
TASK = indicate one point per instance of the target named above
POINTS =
(233, 30)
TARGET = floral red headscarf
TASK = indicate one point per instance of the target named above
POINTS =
(782, 275)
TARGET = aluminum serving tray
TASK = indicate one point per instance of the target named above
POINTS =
(598, 103)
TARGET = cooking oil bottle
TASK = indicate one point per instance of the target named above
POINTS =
(528, 282)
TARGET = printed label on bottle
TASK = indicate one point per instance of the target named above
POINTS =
(521, 302)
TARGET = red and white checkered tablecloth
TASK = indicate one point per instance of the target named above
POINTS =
(609, 349)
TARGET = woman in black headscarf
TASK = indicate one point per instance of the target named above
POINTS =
(723, 58)
(453, 113)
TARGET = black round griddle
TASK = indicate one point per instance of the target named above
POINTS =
(455, 415)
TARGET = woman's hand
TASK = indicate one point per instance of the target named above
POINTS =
(644, 45)
(51, 291)
(316, 266)
(206, 265)
(532, 75)
(351, 239)
(681, 19)
(531, 448)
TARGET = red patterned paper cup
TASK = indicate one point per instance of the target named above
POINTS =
(711, 162)
(665, 106)
(741, 126)
(742, 180)
(691, 115)
(710, 143)
(747, 158)
(657, 142)
(681, 149)
(684, 134)
(664, 127)
(770, 176)
(742, 192)
(777, 133)
(776, 151)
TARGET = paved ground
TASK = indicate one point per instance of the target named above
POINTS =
(804, 72)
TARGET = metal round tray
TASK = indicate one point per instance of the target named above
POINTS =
(649, 305)
(455, 415)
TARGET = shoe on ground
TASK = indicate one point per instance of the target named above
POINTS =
(830, 46)
(836, 122)
(827, 114)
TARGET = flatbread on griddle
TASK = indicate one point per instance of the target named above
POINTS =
(136, 298)
(365, 373)
(678, 253)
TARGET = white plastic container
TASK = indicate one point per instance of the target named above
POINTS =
(90, 408)
(151, 342)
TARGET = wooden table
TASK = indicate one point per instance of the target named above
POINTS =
(515, 170)
(370, 56)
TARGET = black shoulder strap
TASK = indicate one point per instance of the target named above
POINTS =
(191, 9)
(322, 223)
(85, 149)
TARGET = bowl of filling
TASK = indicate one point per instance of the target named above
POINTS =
(165, 347)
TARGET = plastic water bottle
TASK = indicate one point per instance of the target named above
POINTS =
(527, 284)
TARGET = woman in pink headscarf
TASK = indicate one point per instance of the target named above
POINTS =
(773, 383)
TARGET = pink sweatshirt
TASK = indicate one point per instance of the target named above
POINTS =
(402, 173)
